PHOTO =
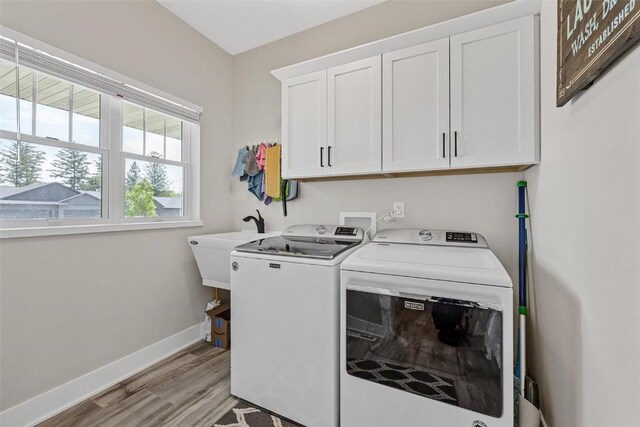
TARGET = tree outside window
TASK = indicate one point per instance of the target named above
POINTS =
(20, 164)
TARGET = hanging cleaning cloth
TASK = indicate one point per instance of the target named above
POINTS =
(272, 169)
(255, 185)
(292, 190)
(285, 185)
(238, 169)
(261, 156)
(250, 164)
(267, 199)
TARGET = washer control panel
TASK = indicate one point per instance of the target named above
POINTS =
(326, 231)
(346, 231)
(432, 238)
(425, 235)
(456, 236)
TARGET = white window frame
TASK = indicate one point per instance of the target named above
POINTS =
(113, 166)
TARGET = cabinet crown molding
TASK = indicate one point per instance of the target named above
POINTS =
(473, 21)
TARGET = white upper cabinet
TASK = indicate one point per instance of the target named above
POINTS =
(354, 128)
(416, 107)
(460, 94)
(494, 114)
(304, 125)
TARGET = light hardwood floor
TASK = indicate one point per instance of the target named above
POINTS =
(191, 388)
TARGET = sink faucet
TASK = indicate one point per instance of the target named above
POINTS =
(259, 221)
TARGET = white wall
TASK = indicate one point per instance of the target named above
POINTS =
(72, 304)
(65, 311)
(585, 208)
(485, 203)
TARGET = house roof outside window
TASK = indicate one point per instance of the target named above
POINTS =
(55, 200)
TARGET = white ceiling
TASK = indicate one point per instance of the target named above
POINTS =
(240, 25)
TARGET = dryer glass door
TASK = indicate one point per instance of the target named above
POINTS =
(443, 349)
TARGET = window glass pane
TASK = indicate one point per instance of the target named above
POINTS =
(8, 114)
(174, 139)
(42, 182)
(155, 134)
(86, 116)
(133, 127)
(52, 110)
(153, 189)
(26, 100)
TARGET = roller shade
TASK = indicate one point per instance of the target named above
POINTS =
(41, 61)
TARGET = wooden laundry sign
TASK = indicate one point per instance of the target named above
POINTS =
(591, 35)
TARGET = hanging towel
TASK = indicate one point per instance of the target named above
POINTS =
(254, 184)
(261, 155)
(238, 169)
(267, 199)
(250, 165)
(272, 169)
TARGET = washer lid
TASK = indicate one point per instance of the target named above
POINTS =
(455, 264)
(296, 246)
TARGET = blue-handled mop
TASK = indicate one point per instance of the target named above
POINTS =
(528, 414)
(521, 364)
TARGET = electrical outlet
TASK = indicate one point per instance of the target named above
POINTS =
(398, 209)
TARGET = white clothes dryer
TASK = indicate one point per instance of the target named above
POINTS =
(426, 333)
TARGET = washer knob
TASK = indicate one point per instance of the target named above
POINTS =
(321, 229)
(425, 235)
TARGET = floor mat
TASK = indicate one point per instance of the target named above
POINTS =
(405, 378)
(245, 414)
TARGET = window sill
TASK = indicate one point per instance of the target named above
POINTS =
(12, 233)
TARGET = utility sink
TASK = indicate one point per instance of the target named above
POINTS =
(212, 254)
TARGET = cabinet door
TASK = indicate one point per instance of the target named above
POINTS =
(415, 107)
(494, 104)
(354, 140)
(304, 125)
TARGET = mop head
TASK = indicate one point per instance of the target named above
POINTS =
(516, 401)
(525, 410)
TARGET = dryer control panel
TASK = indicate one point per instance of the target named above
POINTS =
(432, 237)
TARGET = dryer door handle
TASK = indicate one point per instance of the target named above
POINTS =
(424, 297)
(385, 291)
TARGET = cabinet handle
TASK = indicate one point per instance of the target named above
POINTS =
(455, 145)
(321, 156)
(444, 153)
(329, 156)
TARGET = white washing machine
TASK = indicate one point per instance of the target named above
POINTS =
(285, 321)
(426, 333)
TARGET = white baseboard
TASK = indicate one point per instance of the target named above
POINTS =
(56, 400)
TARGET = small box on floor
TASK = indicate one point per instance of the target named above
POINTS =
(221, 325)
